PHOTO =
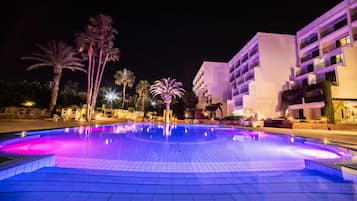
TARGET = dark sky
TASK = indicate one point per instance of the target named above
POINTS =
(156, 40)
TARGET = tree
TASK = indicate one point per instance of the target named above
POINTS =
(142, 89)
(190, 100)
(96, 43)
(126, 78)
(167, 88)
(58, 56)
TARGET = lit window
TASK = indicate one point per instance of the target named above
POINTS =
(344, 41)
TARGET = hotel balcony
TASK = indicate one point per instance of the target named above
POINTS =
(245, 69)
(253, 52)
(292, 97)
(255, 64)
(240, 81)
(308, 41)
(231, 79)
(231, 69)
(236, 92)
(313, 93)
(338, 26)
(310, 56)
(244, 91)
(303, 71)
(250, 77)
(327, 64)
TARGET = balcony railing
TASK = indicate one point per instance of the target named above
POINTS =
(327, 64)
(231, 69)
(241, 81)
(231, 79)
(253, 52)
(250, 77)
(244, 90)
(254, 65)
(337, 26)
(308, 41)
(329, 48)
(306, 58)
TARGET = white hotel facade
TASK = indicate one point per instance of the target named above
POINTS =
(258, 73)
(211, 85)
(326, 50)
(285, 75)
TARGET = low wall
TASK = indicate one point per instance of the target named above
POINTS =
(327, 126)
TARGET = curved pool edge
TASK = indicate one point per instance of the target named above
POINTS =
(330, 166)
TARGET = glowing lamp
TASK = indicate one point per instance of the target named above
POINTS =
(29, 103)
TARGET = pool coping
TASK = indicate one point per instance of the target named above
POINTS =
(30, 163)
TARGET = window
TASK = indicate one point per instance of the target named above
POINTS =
(331, 76)
(343, 41)
(310, 68)
(338, 58)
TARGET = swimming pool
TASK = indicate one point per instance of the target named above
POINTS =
(171, 148)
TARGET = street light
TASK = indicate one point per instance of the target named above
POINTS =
(111, 96)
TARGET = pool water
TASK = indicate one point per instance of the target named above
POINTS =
(159, 162)
(171, 148)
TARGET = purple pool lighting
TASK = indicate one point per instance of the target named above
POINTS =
(171, 148)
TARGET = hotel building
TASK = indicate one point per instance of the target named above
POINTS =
(258, 73)
(326, 50)
(211, 85)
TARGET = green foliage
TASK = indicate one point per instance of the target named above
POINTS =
(329, 111)
(190, 100)
(15, 93)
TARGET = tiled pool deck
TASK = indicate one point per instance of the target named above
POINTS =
(84, 185)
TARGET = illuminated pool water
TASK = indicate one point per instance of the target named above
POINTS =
(171, 148)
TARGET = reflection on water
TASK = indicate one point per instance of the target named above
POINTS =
(167, 130)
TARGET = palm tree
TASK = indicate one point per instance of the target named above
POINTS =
(142, 88)
(167, 88)
(126, 78)
(59, 56)
(96, 43)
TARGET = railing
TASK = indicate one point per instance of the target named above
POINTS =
(306, 58)
(314, 99)
(329, 48)
(327, 64)
(231, 79)
(253, 52)
(231, 69)
(251, 77)
(254, 65)
(245, 58)
(244, 90)
(333, 29)
(308, 41)
(241, 81)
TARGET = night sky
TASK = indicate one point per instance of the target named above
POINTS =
(156, 40)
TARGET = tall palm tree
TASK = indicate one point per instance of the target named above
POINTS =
(126, 78)
(167, 88)
(96, 43)
(58, 56)
(142, 88)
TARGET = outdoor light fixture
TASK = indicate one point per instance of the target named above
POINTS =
(29, 103)
(110, 97)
